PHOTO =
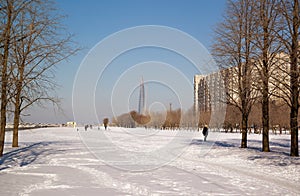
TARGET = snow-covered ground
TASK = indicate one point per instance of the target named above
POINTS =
(64, 161)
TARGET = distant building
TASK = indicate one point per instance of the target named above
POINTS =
(71, 124)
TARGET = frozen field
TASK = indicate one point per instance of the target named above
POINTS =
(64, 161)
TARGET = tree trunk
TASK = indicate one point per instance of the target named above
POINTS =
(3, 115)
(294, 132)
(15, 142)
(4, 78)
(17, 112)
(265, 121)
(18, 103)
(294, 82)
(244, 130)
(265, 79)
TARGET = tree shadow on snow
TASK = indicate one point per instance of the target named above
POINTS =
(224, 144)
(208, 142)
(23, 156)
(281, 148)
(279, 155)
(275, 160)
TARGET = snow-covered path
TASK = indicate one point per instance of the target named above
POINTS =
(63, 161)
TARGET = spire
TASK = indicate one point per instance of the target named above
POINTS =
(141, 107)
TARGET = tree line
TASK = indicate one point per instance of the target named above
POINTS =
(170, 119)
(258, 37)
(33, 40)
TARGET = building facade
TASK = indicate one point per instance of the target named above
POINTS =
(209, 92)
(214, 90)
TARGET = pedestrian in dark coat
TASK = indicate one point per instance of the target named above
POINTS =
(205, 132)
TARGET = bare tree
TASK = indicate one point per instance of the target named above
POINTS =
(157, 119)
(234, 47)
(140, 119)
(35, 56)
(267, 48)
(8, 15)
(33, 42)
(173, 119)
(189, 119)
(124, 120)
(289, 37)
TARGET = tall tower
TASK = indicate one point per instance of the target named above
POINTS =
(141, 108)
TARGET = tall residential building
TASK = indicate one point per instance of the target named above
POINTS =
(209, 92)
(213, 90)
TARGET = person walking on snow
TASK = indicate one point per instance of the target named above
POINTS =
(205, 132)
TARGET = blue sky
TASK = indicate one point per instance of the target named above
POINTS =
(92, 20)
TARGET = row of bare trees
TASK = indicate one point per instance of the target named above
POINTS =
(161, 120)
(173, 119)
(278, 118)
(33, 41)
(253, 37)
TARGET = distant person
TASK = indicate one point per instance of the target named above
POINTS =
(105, 122)
(86, 127)
(205, 132)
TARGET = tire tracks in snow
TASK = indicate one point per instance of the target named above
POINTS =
(191, 161)
(261, 176)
